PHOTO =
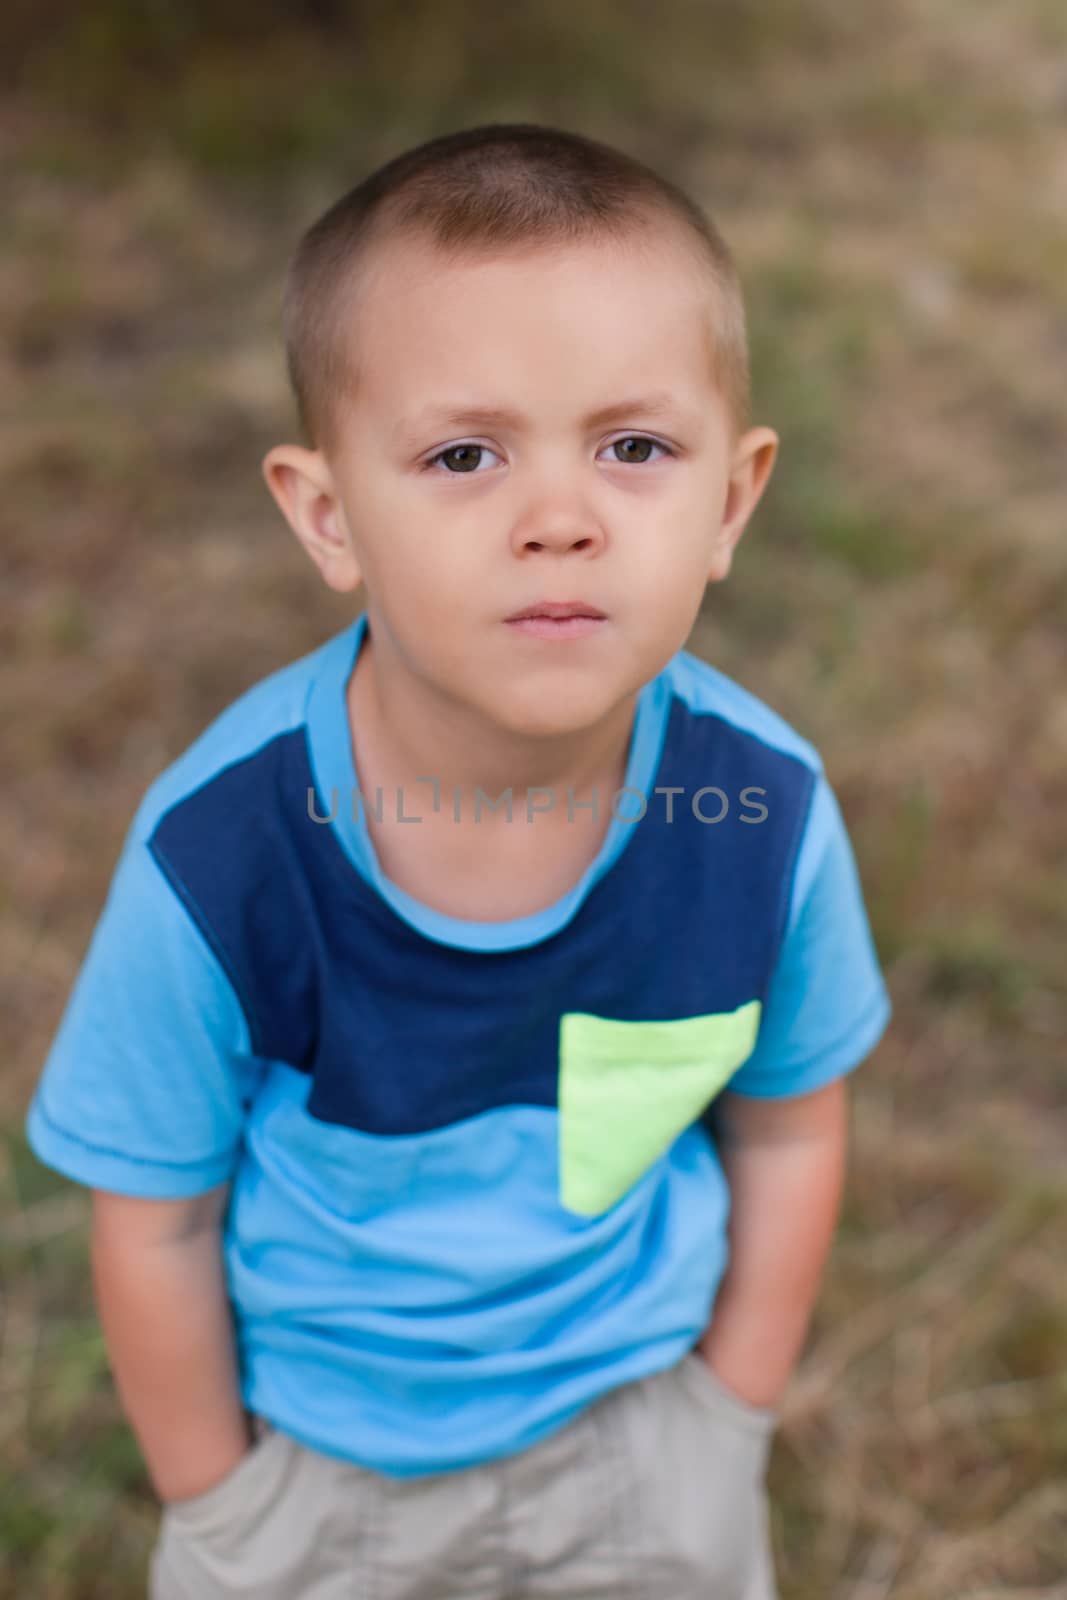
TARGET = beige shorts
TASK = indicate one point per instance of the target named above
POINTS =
(655, 1491)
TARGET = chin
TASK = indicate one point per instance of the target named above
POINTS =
(549, 718)
(547, 727)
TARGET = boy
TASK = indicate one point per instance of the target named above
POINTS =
(465, 978)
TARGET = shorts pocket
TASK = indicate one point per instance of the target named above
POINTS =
(239, 1491)
(710, 1388)
(700, 1455)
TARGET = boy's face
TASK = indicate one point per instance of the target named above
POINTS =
(454, 524)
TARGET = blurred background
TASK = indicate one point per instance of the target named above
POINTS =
(893, 182)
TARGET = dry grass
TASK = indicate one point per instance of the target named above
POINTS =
(896, 193)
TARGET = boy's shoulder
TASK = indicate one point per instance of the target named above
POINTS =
(269, 708)
(706, 691)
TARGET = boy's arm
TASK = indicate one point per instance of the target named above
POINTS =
(784, 1160)
(163, 1305)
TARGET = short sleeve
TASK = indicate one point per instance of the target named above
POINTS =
(147, 1081)
(827, 1003)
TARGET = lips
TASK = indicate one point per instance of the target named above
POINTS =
(557, 610)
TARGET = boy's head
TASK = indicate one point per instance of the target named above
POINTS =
(473, 336)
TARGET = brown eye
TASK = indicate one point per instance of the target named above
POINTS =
(638, 456)
(642, 445)
(460, 458)
(463, 455)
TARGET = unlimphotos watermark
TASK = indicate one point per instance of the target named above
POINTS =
(709, 804)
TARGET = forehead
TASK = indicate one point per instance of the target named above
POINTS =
(587, 323)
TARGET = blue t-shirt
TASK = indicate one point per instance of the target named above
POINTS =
(474, 1174)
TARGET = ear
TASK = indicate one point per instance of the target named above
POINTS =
(301, 482)
(753, 458)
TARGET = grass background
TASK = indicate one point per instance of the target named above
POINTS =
(894, 183)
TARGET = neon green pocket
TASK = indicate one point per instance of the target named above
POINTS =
(628, 1089)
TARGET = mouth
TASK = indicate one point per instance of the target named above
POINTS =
(558, 610)
(552, 619)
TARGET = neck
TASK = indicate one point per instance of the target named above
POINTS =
(405, 738)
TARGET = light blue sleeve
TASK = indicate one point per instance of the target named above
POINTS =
(147, 1080)
(827, 1004)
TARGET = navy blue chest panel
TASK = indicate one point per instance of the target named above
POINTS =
(401, 1034)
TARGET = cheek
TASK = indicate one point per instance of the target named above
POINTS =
(426, 540)
(428, 596)
(667, 566)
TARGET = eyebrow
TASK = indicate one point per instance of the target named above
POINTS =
(459, 416)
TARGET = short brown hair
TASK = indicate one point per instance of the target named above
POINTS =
(498, 184)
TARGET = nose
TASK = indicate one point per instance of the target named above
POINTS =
(559, 530)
